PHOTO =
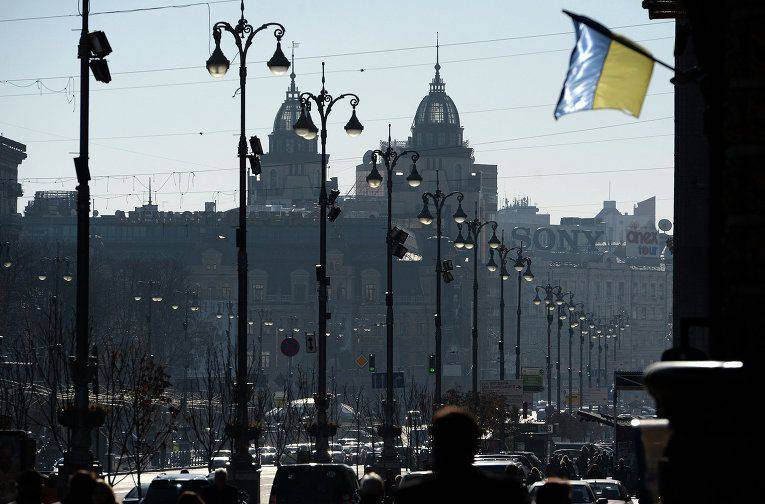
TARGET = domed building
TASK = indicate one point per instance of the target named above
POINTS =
(291, 169)
(437, 134)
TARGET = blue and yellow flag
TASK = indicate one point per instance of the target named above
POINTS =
(606, 71)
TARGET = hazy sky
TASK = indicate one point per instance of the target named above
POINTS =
(145, 123)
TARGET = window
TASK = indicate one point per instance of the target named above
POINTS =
(265, 358)
(437, 112)
(226, 292)
(258, 292)
(370, 293)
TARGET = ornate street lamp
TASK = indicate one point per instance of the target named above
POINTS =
(395, 239)
(426, 218)
(242, 463)
(552, 294)
(305, 127)
(474, 228)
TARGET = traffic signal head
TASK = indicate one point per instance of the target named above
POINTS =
(431, 364)
(372, 367)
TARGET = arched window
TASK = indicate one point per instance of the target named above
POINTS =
(437, 112)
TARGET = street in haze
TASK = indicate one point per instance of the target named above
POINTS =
(279, 252)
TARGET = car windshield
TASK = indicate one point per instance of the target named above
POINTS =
(580, 494)
(610, 491)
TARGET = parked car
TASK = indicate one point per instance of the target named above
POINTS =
(267, 455)
(132, 496)
(220, 461)
(315, 483)
(497, 466)
(165, 488)
(581, 493)
(609, 489)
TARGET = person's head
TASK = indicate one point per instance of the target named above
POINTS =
(455, 439)
(184, 471)
(30, 486)
(554, 491)
(564, 459)
(102, 493)
(189, 498)
(220, 478)
(371, 488)
(514, 473)
(621, 462)
(81, 486)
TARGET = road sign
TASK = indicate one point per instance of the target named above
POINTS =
(379, 381)
(310, 342)
(361, 361)
(533, 379)
(511, 390)
(290, 347)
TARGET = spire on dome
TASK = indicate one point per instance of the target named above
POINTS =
(437, 85)
(293, 91)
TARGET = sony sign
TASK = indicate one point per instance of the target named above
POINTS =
(558, 239)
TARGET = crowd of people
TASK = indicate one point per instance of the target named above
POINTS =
(455, 442)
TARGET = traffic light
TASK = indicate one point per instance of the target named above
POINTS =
(372, 367)
(431, 364)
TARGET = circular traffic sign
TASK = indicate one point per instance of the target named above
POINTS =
(665, 225)
(290, 347)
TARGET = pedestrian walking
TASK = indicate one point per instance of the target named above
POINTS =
(81, 486)
(103, 494)
(371, 489)
(534, 475)
(29, 487)
(220, 492)
(554, 491)
(190, 498)
(455, 436)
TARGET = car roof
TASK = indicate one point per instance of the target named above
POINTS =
(570, 482)
(603, 480)
(181, 477)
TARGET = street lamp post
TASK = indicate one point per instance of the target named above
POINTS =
(264, 320)
(550, 306)
(394, 246)
(425, 217)
(521, 261)
(243, 33)
(474, 228)
(306, 128)
(591, 345)
(149, 293)
(91, 50)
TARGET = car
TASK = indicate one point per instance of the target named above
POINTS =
(497, 466)
(581, 493)
(315, 483)
(414, 476)
(610, 489)
(218, 462)
(267, 455)
(165, 488)
(132, 496)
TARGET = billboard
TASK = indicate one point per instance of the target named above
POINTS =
(533, 379)
(511, 390)
(643, 242)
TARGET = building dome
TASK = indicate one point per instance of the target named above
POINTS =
(437, 109)
(288, 113)
(436, 122)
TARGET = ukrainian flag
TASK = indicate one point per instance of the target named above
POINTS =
(606, 71)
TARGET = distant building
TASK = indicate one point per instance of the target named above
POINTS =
(12, 153)
(52, 203)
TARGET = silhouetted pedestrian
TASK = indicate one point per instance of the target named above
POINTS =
(371, 489)
(102, 493)
(534, 475)
(552, 469)
(554, 491)
(29, 487)
(455, 436)
(190, 498)
(220, 492)
(81, 486)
